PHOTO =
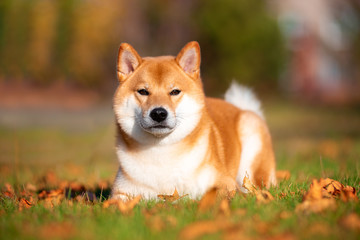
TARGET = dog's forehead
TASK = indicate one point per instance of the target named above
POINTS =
(159, 69)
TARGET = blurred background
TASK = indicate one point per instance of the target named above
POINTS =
(57, 70)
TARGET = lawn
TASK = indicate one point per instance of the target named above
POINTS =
(57, 167)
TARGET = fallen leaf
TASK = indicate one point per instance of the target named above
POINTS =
(8, 190)
(124, 207)
(261, 226)
(51, 198)
(329, 148)
(208, 200)
(50, 194)
(331, 186)
(351, 221)
(348, 194)
(282, 195)
(319, 228)
(240, 212)
(110, 202)
(171, 198)
(30, 187)
(198, 229)
(248, 185)
(285, 215)
(263, 196)
(282, 236)
(60, 230)
(80, 199)
(50, 179)
(24, 203)
(224, 207)
(316, 191)
(171, 220)
(158, 223)
(155, 223)
(282, 175)
(316, 206)
(103, 184)
(234, 233)
(322, 193)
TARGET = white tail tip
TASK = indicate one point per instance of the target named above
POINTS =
(243, 98)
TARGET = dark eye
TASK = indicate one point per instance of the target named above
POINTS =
(143, 92)
(175, 92)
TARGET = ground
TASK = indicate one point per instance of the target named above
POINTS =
(71, 152)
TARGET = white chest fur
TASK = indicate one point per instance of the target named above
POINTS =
(160, 169)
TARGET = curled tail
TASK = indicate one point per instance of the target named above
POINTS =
(243, 98)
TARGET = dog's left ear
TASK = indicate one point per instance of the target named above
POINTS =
(189, 59)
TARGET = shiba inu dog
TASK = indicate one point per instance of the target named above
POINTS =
(170, 136)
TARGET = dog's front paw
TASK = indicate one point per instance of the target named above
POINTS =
(117, 195)
(227, 187)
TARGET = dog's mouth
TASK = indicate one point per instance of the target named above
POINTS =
(159, 126)
(158, 130)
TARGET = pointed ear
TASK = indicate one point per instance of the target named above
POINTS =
(128, 61)
(189, 59)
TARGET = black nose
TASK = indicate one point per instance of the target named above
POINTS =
(158, 114)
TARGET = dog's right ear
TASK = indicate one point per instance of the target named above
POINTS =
(128, 61)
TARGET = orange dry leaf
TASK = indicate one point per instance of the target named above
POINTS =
(248, 185)
(208, 200)
(171, 198)
(282, 195)
(30, 187)
(50, 179)
(57, 230)
(50, 194)
(110, 202)
(329, 148)
(317, 199)
(236, 231)
(336, 189)
(224, 207)
(158, 223)
(240, 212)
(282, 175)
(8, 191)
(285, 215)
(331, 186)
(24, 203)
(316, 206)
(201, 228)
(348, 194)
(103, 184)
(155, 223)
(316, 191)
(263, 196)
(322, 193)
(351, 221)
(124, 207)
(51, 198)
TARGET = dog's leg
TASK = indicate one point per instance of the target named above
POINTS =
(257, 160)
(125, 188)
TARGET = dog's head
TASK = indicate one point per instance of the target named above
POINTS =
(158, 97)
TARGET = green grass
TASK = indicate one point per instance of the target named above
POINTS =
(310, 142)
